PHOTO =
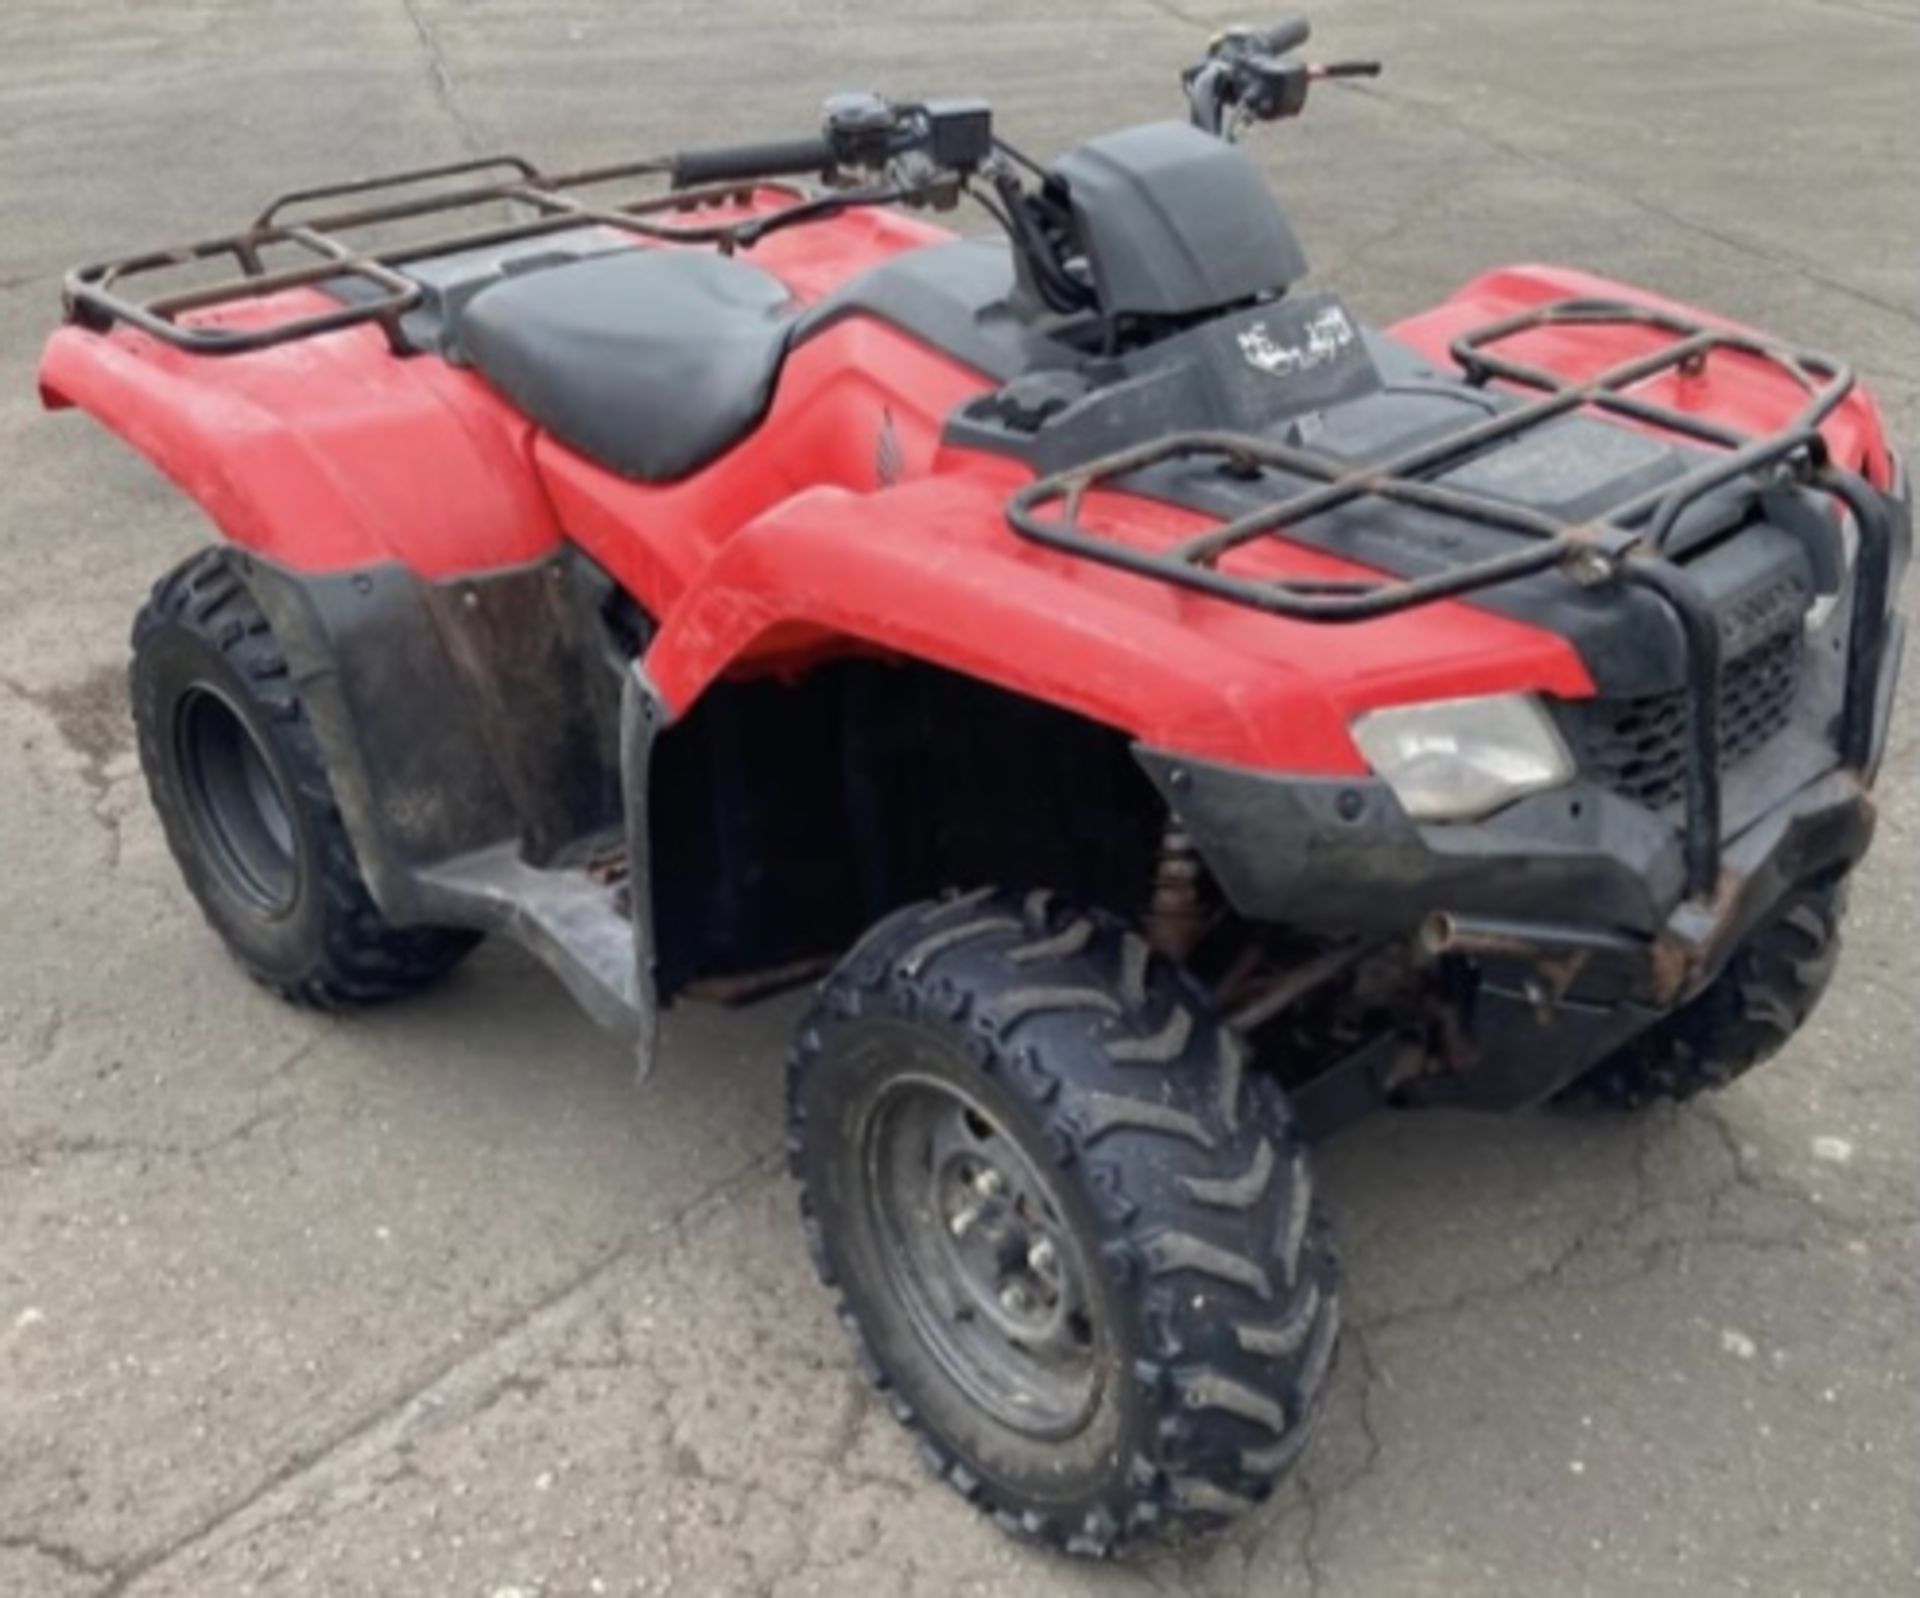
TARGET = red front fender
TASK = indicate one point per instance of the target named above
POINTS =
(1737, 391)
(915, 571)
(930, 571)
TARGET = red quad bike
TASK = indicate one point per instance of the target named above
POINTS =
(1175, 716)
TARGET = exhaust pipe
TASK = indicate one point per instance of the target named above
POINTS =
(1443, 932)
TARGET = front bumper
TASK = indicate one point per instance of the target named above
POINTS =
(1577, 870)
(1581, 910)
(1560, 914)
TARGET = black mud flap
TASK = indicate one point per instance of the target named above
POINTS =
(469, 729)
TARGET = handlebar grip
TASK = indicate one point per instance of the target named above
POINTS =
(1289, 33)
(782, 158)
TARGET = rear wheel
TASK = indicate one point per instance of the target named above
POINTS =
(1743, 1017)
(238, 782)
(1074, 1241)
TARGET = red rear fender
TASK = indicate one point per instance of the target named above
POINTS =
(321, 455)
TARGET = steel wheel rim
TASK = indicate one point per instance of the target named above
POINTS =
(237, 804)
(973, 1244)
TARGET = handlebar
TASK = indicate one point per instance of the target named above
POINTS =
(948, 136)
(1286, 35)
(780, 158)
(1246, 77)
(929, 152)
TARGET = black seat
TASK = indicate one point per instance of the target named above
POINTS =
(651, 362)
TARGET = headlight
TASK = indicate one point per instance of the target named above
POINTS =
(1459, 759)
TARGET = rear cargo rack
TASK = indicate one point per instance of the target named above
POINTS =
(1627, 544)
(96, 295)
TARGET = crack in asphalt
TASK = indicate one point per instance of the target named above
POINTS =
(440, 76)
(305, 1461)
(69, 1558)
(1819, 1229)
(1318, 1497)
(33, 1151)
(689, 1465)
(1694, 1223)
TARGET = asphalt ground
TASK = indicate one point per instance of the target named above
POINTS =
(431, 1301)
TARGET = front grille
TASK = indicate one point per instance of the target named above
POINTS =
(1638, 747)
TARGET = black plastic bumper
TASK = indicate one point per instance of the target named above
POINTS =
(1576, 871)
(1341, 857)
(1569, 907)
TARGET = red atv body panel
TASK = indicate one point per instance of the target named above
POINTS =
(842, 522)
(323, 455)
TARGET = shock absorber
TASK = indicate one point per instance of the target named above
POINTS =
(1177, 916)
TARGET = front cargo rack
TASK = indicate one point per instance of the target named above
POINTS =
(96, 295)
(1627, 544)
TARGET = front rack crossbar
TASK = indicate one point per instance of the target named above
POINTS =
(97, 295)
(1588, 550)
(1629, 543)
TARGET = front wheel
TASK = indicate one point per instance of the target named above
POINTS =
(1075, 1242)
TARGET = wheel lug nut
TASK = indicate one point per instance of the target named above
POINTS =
(962, 1222)
(1041, 1257)
(988, 1183)
(1015, 1299)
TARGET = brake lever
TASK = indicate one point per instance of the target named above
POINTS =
(1323, 71)
(1272, 89)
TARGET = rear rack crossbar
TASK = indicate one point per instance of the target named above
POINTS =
(96, 296)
